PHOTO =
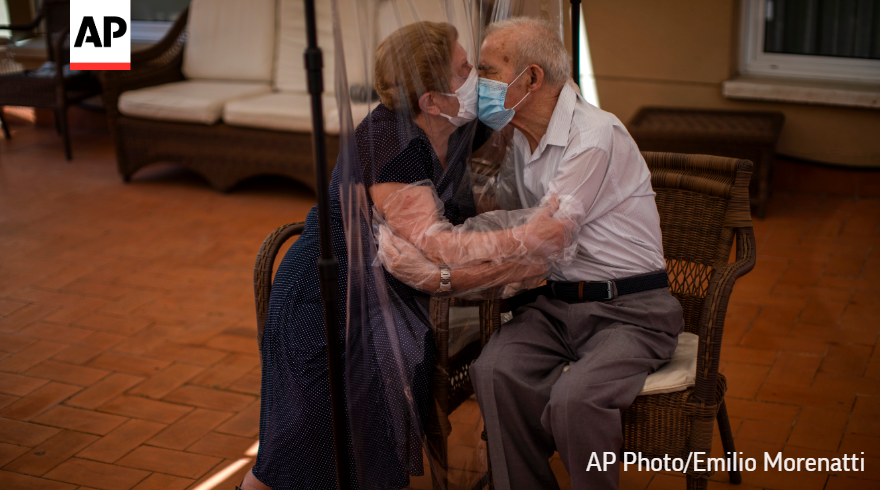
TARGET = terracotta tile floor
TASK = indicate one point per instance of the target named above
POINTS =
(127, 352)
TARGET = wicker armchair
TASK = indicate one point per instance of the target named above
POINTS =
(451, 382)
(704, 204)
(222, 154)
(52, 86)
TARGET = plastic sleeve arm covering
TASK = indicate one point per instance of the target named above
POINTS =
(539, 235)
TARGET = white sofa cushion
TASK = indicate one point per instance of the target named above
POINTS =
(358, 113)
(289, 72)
(283, 111)
(679, 374)
(286, 111)
(230, 40)
(198, 101)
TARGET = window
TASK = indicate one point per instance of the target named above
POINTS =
(815, 39)
(151, 19)
(4, 19)
(587, 80)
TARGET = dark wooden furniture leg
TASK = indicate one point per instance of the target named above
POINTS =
(727, 440)
(65, 131)
(5, 125)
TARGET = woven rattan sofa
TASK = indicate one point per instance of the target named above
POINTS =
(704, 209)
(224, 94)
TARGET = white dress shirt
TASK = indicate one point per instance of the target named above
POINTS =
(588, 154)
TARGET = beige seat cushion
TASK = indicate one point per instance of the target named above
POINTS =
(464, 327)
(230, 40)
(197, 101)
(282, 111)
(679, 373)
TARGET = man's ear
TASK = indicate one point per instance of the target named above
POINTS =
(427, 104)
(535, 78)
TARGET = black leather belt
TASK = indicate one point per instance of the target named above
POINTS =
(578, 292)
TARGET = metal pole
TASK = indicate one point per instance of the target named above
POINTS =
(576, 41)
(328, 266)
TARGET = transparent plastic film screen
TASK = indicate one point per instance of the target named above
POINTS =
(402, 99)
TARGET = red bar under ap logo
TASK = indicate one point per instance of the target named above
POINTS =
(100, 35)
(100, 66)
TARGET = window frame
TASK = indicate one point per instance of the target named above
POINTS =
(755, 61)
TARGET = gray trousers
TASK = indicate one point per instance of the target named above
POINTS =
(531, 407)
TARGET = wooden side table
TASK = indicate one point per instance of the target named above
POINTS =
(748, 135)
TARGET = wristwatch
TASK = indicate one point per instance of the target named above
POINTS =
(445, 280)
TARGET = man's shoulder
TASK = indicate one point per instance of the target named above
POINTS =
(592, 127)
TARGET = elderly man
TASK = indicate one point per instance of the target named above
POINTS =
(578, 350)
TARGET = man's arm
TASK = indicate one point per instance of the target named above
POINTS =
(409, 265)
(415, 213)
(577, 181)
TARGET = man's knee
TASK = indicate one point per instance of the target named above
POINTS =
(574, 400)
(497, 365)
(574, 392)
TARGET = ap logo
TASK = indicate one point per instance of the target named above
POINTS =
(100, 35)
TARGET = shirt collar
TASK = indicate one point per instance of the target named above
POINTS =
(560, 121)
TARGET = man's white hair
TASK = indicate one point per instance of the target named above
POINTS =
(536, 42)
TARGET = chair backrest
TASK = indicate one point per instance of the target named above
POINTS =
(263, 269)
(702, 199)
(230, 40)
(56, 19)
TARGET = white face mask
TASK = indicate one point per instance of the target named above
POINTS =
(467, 101)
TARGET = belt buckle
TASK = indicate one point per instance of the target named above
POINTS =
(612, 290)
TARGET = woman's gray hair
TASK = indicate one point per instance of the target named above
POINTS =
(536, 43)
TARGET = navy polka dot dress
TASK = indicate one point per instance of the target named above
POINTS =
(296, 436)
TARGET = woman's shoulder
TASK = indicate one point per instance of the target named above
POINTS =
(380, 120)
(387, 149)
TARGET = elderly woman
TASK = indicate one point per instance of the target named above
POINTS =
(420, 133)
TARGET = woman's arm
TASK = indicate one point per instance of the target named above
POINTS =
(408, 264)
(415, 213)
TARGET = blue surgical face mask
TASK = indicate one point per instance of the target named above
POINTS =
(490, 105)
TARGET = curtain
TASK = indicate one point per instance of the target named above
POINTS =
(841, 28)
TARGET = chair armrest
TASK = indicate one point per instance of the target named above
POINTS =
(714, 313)
(57, 47)
(168, 42)
(263, 270)
(155, 65)
(490, 319)
(24, 27)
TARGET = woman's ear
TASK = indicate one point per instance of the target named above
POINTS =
(427, 104)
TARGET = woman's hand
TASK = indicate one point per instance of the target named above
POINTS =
(405, 262)
(544, 236)
(415, 214)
